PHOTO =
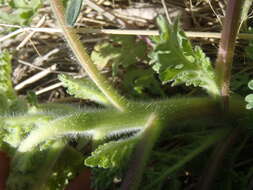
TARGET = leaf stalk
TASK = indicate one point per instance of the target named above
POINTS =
(83, 58)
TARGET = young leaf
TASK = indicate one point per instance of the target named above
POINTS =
(73, 11)
(16, 128)
(83, 88)
(112, 154)
(174, 59)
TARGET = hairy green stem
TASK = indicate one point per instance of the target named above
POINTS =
(226, 48)
(141, 154)
(84, 59)
(100, 123)
(97, 124)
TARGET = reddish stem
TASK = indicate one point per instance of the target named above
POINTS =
(227, 47)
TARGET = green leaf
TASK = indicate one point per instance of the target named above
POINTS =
(16, 128)
(174, 59)
(21, 11)
(112, 154)
(9, 101)
(31, 170)
(142, 83)
(32, 98)
(6, 88)
(14, 134)
(3, 2)
(83, 88)
(24, 4)
(119, 51)
(73, 11)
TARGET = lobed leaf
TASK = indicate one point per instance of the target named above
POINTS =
(176, 61)
(8, 99)
(83, 88)
(6, 88)
(119, 51)
(14, 129)
(112, 154)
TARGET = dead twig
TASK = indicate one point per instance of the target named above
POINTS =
(35, 78)
(22, 44)
(189, 34)
(105, 13)
(49, 88)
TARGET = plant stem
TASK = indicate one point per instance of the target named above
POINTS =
(217, 159)
(227, 46)
(141, 154)
(84, 59)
